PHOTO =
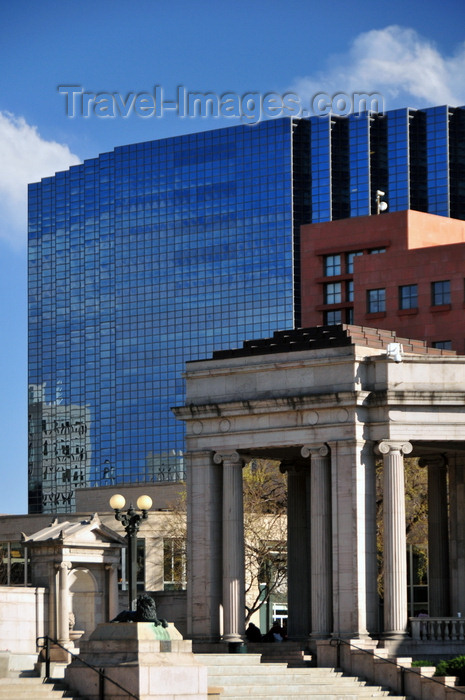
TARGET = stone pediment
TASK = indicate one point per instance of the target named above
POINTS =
(76, 534)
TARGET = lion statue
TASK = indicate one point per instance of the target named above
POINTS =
(146, 611)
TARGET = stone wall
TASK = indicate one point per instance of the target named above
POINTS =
(163, 494)
(23, 618)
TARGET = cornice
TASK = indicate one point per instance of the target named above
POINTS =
(341, 399)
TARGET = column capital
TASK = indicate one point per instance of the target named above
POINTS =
(385, 447)
(291, 468)
(62, 565)
(232, 457)
(317, 450)
(434, 460)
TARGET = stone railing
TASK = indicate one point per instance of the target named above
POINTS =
(437, 629)
(363, 659)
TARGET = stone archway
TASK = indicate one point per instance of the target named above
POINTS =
(84, 597)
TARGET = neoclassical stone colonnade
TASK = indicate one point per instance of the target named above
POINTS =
(326, 410)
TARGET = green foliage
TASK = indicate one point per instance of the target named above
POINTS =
(422, 662)
(452, 667)
(265, 488)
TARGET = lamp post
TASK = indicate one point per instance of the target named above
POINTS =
(131, 521)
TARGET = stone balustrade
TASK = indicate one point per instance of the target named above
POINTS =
(437, 629)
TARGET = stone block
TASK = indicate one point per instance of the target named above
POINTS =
(150, 662)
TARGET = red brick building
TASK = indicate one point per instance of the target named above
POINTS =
(401, 271)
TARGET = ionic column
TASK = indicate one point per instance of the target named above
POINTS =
(204, 546)
(438, 536)
(457, 531)
(395, 549)
(298, 552)
(320, 539)
(233, 547)
(63, 602)
(52, 602)
(112, 588)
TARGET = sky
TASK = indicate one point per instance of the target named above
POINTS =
(78, 78)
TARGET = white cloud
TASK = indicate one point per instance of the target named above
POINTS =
(405, 67)
(25, 157)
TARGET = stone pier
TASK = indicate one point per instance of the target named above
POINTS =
(151, 662)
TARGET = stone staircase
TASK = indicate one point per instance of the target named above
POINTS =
(26, 685)
(244, 676)
(290, 653)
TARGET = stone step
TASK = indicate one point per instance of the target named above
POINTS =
(289, 675)
(232, 663)
(33, 688)
(290, 652)
(241, 677)
(313, 693)
(266, 671)
(334, 695)
(236, 691)
(251, 688)
(229, 659)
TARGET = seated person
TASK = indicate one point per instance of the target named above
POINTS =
(252, 633)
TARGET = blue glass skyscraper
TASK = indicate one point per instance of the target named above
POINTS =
(138, 260)
(161, 252)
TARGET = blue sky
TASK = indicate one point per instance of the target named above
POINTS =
(412, 53)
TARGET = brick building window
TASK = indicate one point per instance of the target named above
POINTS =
(376, 300)
(350, 290)
(14, 564)
(333, 293)
(332, 265)
(332, 318)
(350, 261)
(440, 293)
(408, 296)
(442, 344)
(174, 564)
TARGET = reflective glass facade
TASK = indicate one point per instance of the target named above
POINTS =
(416, 157)
(161, 252)
(139, 260)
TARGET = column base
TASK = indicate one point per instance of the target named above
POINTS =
(394, 636)
(233, 639)
(236, 644)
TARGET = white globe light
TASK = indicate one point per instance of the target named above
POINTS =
(144, 502)
(117, 501)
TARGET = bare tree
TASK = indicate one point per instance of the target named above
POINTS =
(265, 534)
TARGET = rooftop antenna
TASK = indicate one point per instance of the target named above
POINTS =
(380, 205)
